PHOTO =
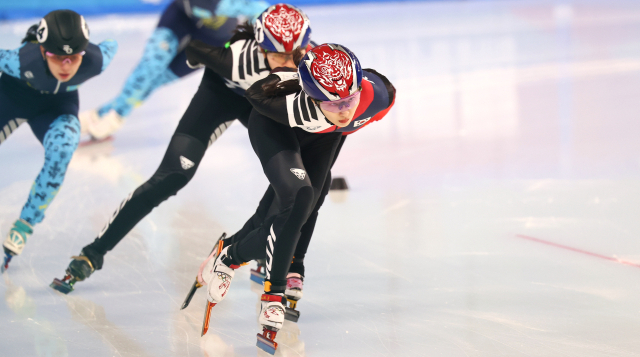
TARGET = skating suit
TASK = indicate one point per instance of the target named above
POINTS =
(297, 147)
(164, 57)
(30, 94)
(217, 103)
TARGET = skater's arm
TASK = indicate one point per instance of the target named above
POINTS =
(391, 90)
(272, 102)
(108, 48)
(384, 96)
(10, 62)
(215, 58)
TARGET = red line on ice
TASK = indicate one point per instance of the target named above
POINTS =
(613, 259)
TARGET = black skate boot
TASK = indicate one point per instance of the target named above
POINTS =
(80, 268)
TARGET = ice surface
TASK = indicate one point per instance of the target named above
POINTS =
(512, 118)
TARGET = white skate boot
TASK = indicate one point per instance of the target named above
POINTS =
(16, 240)
(200, 282)
(217, 276)
(100, 127)
(293, 293)
(271, 318)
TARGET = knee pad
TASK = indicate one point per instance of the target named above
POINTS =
(177, 168)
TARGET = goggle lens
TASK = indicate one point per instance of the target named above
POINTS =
(343, 104)
(64, 59)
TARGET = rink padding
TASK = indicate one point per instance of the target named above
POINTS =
(38, 8)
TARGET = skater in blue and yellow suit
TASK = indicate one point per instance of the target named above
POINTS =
(164, 59)
(38, 86)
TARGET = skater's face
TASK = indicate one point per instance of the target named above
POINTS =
(340, 113)
(281, 59)
(63, 68)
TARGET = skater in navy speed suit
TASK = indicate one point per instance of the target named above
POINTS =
(39, 86)
(164, 56)
(297, 137)
(230, 70)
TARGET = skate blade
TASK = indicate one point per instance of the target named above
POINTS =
(291, 314)
(196, 285)
(61, 286)
(266, 344)
(257, 277)
(93, 141)
(5, 263)
(207, 316)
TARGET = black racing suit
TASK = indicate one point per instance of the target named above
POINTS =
(297, 147)
(230, 70)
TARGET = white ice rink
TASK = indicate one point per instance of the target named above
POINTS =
(493, 212)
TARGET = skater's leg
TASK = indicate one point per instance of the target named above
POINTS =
(161, 49)
(210, 112)
(279, 152)
(178, 166)
(11, 113)
(257, 219)
(8, 126)
(60, 142)
(297, 264)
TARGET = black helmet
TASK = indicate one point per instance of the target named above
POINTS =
(63, 32)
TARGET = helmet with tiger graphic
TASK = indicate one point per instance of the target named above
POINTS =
(330, 72)
(282, 28)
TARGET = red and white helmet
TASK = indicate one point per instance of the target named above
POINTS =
(330, 72)
(282, 28)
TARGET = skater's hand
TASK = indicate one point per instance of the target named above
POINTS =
(193, 65)
(285, 73)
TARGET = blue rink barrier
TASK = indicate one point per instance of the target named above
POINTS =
(18, 9)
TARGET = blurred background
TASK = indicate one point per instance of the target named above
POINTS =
(493, 212)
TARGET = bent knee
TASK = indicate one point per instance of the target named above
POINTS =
(158, 189)
(304, 202)
(62, 138)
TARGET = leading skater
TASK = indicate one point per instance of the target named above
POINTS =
(38, 85)
(297, 137)
(164, 56)
(248, 57)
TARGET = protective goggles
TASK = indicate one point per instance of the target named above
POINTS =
(66, 58)
(344, 104)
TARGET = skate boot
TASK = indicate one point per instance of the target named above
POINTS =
(293, 293)
(100, 127)
(80, 268)
(200, 282)
(258, 274)
(218, 277)
(271, 318)
(16, 239)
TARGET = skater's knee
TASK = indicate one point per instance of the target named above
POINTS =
(178, 167)
(158, 189)
(62, 138)
(303, 203)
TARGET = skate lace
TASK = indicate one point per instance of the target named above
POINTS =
(294, 283)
